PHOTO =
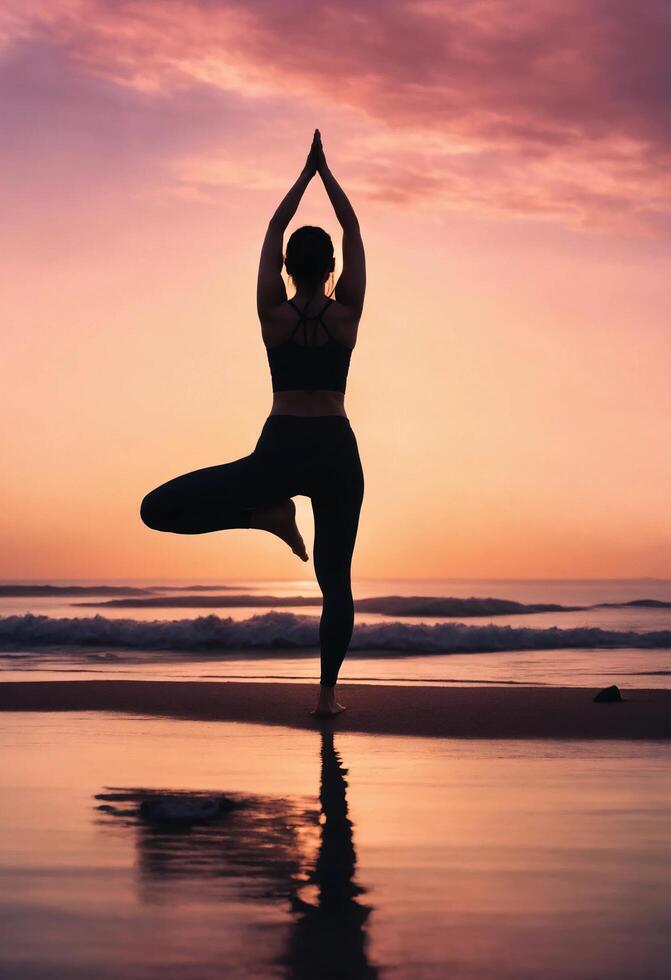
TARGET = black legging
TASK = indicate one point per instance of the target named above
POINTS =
(314, 456)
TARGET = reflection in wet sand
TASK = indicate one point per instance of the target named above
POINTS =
(329, 940)
(257, 847)
(263, 848)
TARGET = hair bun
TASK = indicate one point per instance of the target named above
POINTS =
(309, 256)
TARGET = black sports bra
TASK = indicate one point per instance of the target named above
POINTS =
(296, 366)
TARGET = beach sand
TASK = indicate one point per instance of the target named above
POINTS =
(456, 712)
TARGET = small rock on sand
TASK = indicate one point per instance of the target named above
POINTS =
(611, 693)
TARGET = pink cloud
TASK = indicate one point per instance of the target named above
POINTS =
(534, 108)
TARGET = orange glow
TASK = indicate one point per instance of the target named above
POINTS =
(510, 389)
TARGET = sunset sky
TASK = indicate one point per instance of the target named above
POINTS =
(509, 163)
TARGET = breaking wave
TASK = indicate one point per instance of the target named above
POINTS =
(286, 630)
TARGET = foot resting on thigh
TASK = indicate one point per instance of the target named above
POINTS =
(280, 519)
(327, 705)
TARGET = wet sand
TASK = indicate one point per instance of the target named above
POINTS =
(454, 712)
(346, 855)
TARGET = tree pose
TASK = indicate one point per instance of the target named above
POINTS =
(307, 445)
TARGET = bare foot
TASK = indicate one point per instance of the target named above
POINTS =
(327, 705)
(280, 519)
(337, 710)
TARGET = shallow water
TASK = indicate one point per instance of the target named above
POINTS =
(347, 856)
(586, 662)
(561, 668)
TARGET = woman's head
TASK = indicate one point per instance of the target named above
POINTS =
(310, 258)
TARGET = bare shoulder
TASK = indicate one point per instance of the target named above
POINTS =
(343, 322)
(274, 321)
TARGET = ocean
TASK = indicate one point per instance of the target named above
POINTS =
(580, 632)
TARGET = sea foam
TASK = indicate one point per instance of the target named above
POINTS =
(285, 630)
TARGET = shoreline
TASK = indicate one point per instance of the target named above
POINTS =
(431, 711)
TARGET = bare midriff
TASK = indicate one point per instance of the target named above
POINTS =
(306, 402)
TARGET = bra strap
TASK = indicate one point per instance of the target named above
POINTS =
(319, 316)
(303, 318)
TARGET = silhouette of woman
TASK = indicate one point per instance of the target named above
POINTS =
(307, 446)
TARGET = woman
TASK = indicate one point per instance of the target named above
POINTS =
(306, 446)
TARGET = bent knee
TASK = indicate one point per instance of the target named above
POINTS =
(156, 512)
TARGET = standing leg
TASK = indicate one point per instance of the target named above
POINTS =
(336, 512)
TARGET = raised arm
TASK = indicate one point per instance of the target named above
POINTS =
(270, 288)
(351, 286)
